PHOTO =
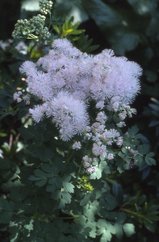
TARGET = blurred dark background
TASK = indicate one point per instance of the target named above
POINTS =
(9, 13)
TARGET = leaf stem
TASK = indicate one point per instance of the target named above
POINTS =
(141, 216)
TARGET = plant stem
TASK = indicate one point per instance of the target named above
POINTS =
(141, 216)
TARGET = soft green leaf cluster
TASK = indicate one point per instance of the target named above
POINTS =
(45, 202)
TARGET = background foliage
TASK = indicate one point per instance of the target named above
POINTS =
(130, 202)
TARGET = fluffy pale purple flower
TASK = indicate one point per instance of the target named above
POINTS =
(100, 104)
(110, 156)
(91, 170)
(101, 117)
(66, 80)
(86, 158)
(119, 141)
(65, 46)
(28, 68)
(87, 161)
(18, 96)
(76, 145)
(122, 115)
(86, 164)
(69, 115)
(98, 128)
(100, 77)
(119, 77)
(99, 150)
(37, 112)
(111, 134)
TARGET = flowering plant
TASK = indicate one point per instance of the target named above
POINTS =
(67, 82)
(85, 99)
(74, 147)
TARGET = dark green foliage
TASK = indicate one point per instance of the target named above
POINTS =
(42, 201)
(44, 196)
(152, 112)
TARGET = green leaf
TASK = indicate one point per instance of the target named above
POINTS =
(118, 230)
(91, 209)
(68, 187)
(6, 211)
(101, 13)
(85, 199)
(97, 174)
(133, 131)
(29, 227)
(150, 226)
(149, 160)
(14, 239)
(143, 7)
(144, 149)
(105, 229)
(110, 202)
(69, 8)
(122, 42)
(85, 44)
(117, 191)
(106, 236)
(64, 198)
(39, 178)
(129, 229)
(54, 184)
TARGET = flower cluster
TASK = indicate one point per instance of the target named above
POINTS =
(102, 139)
(66, 80)
(34, 28)
(45, 6)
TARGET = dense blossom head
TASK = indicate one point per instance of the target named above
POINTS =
(115, 76)
(65, 80)
(69, 114)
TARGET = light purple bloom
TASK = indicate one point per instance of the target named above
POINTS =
(76, 145)
(99, 150)
(37, 112)
(119, 141)
(101, 117)
(91, 170)
(110, 156)
(65, 80)
(69, 115)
